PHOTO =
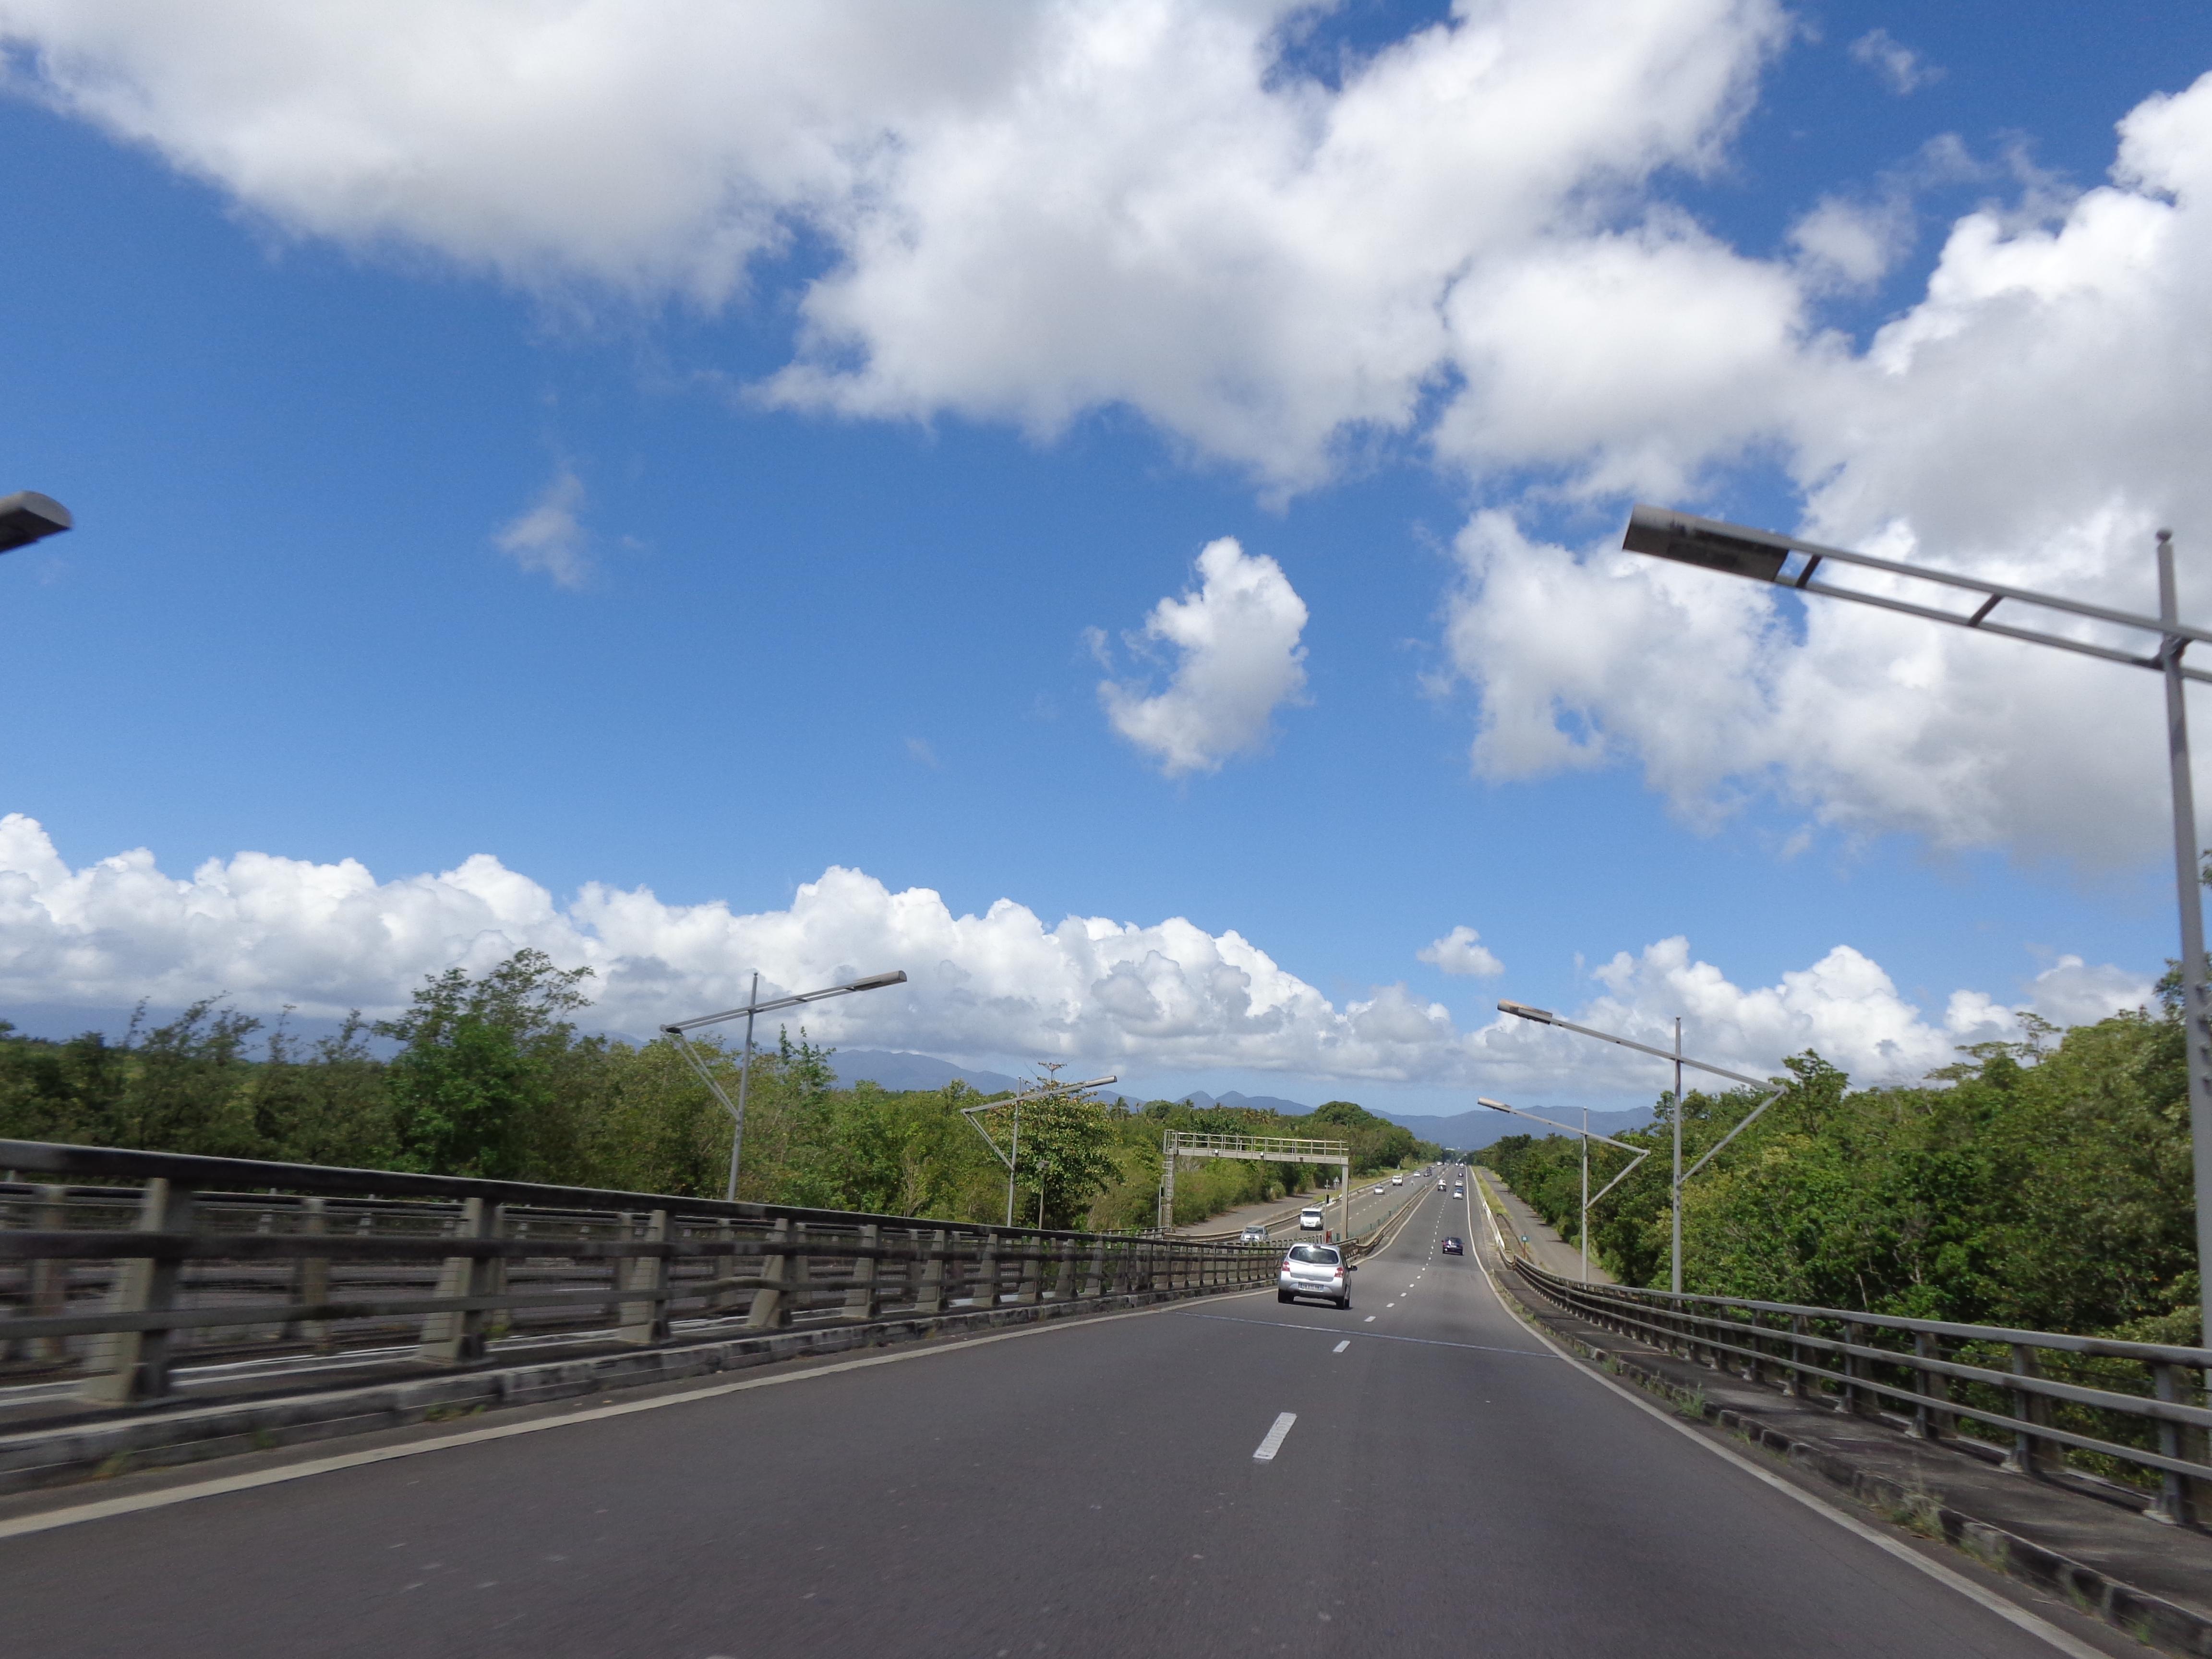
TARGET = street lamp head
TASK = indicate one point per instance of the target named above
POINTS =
(1522, 1010)
(1494, 1105)
(1709, 543)
(877, 981)
(27, 516)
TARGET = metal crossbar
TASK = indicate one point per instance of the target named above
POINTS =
(1269, 1149)
(134, 1272)
(2156, 1426)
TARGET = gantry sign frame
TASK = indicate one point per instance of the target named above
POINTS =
(1251, 1149)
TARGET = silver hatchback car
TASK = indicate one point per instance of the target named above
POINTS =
(1317, 1270)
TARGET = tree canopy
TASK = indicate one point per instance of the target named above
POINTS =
(2044, 1184)
(487, 1074)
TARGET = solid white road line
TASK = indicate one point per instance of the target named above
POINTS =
(100, 1510)
(1342, 1346)
(2072, 1646)
(1273, 1443)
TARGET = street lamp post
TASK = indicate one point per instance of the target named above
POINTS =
(1642, 1153)
(2158, 643)
(27, 516)
(1011, 1156)
(754, 1007)
(1546, 1017)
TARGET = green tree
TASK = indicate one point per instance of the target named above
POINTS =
(475, 1086)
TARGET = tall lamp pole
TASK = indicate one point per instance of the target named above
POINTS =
(2153, 643)
(1642, 1153)
(1546, 1017)
(753, 1009)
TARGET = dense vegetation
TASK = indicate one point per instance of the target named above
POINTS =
(2039, 1184)
(489, 1076)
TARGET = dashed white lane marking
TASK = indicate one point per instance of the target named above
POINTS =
(1273, 1443)
(1370, 1320)
(1342, 1346)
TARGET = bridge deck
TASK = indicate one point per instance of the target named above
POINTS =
(1447, 1486)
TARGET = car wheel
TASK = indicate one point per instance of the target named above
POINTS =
(1346, 1303)
(1282, 1296)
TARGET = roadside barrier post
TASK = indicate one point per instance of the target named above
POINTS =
(644, 1321)
(987, 1274)
(860, 1299)
(125, 1365)
(770, 1309)
(50, 1279)
(456, 1337)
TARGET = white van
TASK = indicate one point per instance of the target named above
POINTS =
(1311, 1219)
(1397, 1180)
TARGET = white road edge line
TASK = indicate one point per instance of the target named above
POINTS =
(20, 1525)
(1274, 1444)
(2072, 1646)
(1342, 1346)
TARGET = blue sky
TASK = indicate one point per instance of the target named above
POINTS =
(294, 429)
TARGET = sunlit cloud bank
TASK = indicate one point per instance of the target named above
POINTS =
(1165, 998)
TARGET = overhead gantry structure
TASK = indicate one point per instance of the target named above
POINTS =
(1179, 1144)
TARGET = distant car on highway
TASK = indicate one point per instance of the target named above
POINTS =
(1378, 1186)
(1453, 1246)
(1440, 1186)
(1254, 1234)
(1397, 1180)
(1311, 1219)
(1317, 1270)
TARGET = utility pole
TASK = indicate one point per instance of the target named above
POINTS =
(2188, 874)
(1677, 1251)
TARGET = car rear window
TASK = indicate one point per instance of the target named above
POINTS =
(1312, 1253)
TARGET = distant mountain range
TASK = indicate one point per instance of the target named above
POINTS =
(1463, 1131)
(896, 1071)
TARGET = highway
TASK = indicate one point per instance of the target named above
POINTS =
(1369, 1209)
(1439, 1483)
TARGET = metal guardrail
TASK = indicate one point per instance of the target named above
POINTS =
(2132, 1412)
(136, 1264)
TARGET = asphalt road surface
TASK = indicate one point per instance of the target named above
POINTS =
(1369, 1208)
(1439, 1483)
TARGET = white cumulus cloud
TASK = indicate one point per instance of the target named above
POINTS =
(1237, 660)
(1167, 997)
(548, 535)
(1032, 211)
(1902, 69)
(2032, 420)
(1843, 1005)
(1461, 951)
